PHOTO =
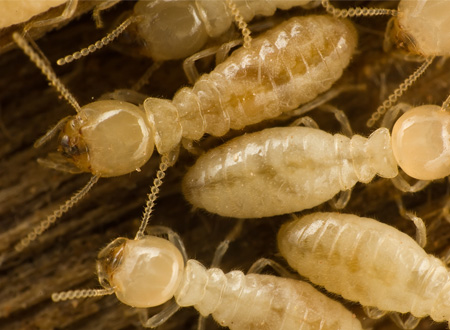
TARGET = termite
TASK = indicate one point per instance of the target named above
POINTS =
(418, 27)
(149, 271)
(15, 12)
(289, 169)
(169, 30)
(285, 67)
(367, 261)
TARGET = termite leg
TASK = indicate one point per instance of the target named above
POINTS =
(421, 230)
(158, 319)
(403, 185)
(101, 7)
(410, 323)
(393, 113)
(373, 312)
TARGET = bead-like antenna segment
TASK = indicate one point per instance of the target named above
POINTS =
(78, 294)
(157, 182)
(99, 44)
(45, 69)
(355, 12)
(399, 92)
(240, 22)
(51, 219)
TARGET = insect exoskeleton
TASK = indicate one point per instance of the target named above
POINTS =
(306, 54)
(285, 170)
(178, 29)
(285, 67)
(150, 271)
(421, 142)
(15, 12)
(367, 261)
(111, 138)
(108, 138)
(169, 30)
(420, 27)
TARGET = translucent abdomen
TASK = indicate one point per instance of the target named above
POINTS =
(366, 261)
(287, 66)
(260, 301)
(284, 170)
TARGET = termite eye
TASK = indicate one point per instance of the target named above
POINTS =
(70, 147)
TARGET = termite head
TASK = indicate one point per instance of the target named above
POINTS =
(107, 138)
(421, 142)
(396, 35)
(143, 273)
(169, 29)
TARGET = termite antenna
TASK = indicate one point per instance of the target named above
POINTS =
(166, 162)
(51, 132)
(240, 22)
(79, 294)
(51, 219)
(46, 69)
(358, 11)
(399, 92)
(99, 44)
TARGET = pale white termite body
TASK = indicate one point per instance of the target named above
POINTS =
(284, 170)
(149, 271)
(421, 25)
(289, 169)
(285, 67)
(178, 29)
(20, 11)
(367, 261)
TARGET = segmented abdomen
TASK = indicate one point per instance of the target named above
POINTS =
(285, 67)
(260, 301)
(364, 260)
(284, 170)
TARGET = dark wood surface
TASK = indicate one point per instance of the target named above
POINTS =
(64, 257)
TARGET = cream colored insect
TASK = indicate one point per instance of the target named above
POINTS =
(367, 261)
(168, 30)
(285, 170)
(419, 27)
(285, 67)
(20, 11)
(148, 271)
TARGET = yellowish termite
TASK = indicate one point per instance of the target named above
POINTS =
(20, 11)
(149, 271)
(418, 26)
(168, 30)
(289, 169)
(367, 261)
(284, 67)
